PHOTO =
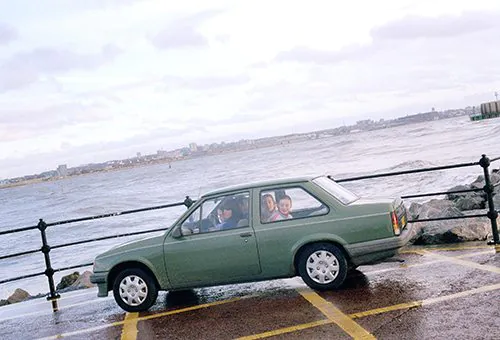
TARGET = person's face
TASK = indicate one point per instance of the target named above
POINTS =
(227, 214)
(269, 203)
(284, 206)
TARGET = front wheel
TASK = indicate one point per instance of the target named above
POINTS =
(135, 290)
(322, 266)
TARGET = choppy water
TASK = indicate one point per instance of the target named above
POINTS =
(408, 147)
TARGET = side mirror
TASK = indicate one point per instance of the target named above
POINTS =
(177, 232)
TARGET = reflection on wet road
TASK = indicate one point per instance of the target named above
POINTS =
(438, 292)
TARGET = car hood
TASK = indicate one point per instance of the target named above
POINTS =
(135, 244)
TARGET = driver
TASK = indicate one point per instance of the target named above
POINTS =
(230, 214)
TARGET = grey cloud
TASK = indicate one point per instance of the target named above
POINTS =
(30, 123)
(202, 83)
(24, 68)
(414, 27)
(406, 31)
(7, 34)
(183, 33)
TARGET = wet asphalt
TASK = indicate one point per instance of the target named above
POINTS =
(446, 292)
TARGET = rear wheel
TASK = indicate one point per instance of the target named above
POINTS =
(322, 266)
(134, 290)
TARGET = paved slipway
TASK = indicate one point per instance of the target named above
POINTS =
(439, 292)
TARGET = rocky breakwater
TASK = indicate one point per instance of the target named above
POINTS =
(457, 230)
(69, 282)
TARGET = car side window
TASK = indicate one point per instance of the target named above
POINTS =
(219, 213)
(289, 203)
(191, 223)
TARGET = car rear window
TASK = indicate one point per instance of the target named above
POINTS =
(342, 194)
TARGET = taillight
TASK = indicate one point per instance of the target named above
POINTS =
(395, 225)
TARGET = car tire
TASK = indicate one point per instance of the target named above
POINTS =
(134, 290)
(322, 266)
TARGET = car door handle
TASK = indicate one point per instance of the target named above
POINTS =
(246, 235)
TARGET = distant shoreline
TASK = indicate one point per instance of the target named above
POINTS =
(173, 160)
(140, 165)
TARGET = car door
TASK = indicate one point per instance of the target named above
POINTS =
(209, 255)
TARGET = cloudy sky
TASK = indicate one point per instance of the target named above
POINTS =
(88, 81)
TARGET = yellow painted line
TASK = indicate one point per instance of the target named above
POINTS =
(187, 309)
(456, 260)
(425, 302)
(406, 266)
(287, 330)
(408, 305)
(153, 316)
(335, 315)
(129, 331)
(461, 294)
(375, 311)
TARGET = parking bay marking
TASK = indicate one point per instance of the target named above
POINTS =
(461, 262)
(408, 305)
(142, 318)
(405, 266)
(335, 315)
(376, 311)
(129, 331)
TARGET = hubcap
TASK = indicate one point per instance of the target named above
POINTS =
(322, 267)
(133, 290)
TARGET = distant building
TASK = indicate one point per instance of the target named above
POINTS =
(62, 170)
(162, 153)
(139, 155)
(193, 147)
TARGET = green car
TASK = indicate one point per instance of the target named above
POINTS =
(309, 226)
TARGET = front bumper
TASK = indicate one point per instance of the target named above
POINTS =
(100, 278)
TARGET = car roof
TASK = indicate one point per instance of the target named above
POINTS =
(251, 185)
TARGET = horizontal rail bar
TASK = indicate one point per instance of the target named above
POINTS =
(20, 254)
(106, 238)
(397, 173)
(441, 193)
(114, 214)
(18, 230)
(494, 159)
(447, 218)
(73, 267)
(22, 277)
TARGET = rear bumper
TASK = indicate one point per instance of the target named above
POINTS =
(370, 251)
(100, 278)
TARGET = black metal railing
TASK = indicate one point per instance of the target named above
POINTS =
(46, 248)
(488, 188)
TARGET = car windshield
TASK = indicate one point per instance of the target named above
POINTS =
(342, 194)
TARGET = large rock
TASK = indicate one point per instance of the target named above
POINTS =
(68, 280)
(3, 302)
(18, 296)
(468, 200)
(437, 208)
(83, 281)
(447, 231)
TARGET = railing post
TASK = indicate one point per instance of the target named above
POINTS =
(49, 271)
(188, 202)
(488, 189)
